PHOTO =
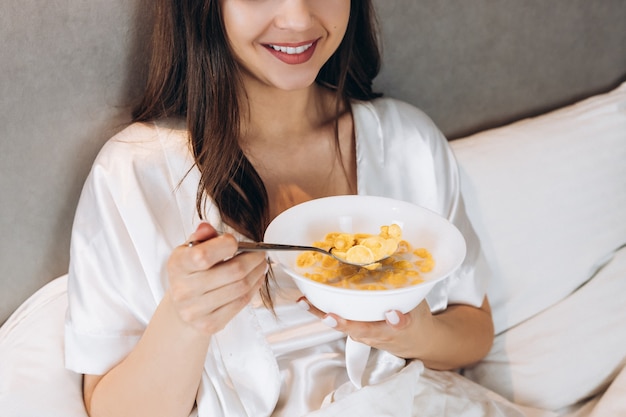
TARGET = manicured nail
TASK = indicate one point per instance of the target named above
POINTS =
(303, 305)
(392, 317)
(329, 321)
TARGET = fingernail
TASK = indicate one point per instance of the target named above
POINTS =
(329, 321)
(267, 268)
(303, 305)
(392, 317)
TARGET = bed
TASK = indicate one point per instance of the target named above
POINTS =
(532, 97)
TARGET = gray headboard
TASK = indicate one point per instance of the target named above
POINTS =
(69, 69)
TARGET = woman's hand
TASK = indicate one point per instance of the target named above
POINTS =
(457, 337)
(208, 285)
(396, 334)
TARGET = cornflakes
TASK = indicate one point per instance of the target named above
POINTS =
(401, 265)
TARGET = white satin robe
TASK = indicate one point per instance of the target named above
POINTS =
(138, 203)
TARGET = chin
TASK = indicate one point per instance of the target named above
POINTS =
(294, 83)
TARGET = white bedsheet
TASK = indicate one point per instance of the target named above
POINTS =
(34, 382)
(611, 403)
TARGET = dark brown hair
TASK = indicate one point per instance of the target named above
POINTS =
(193, 74)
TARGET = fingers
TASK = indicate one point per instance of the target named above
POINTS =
(204, 249)
(209, 284)
(210, 307)
(203, 232)
(393, 318)
(380, 334)
(236, 274)
(396, 319)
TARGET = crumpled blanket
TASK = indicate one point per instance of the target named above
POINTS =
(435, 394)
(611, 402)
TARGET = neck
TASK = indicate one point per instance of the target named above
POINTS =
(278, 117)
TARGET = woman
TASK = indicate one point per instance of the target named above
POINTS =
(251, 107)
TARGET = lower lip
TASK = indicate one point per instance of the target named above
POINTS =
(293, 59)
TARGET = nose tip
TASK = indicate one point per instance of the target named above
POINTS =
(294, 14)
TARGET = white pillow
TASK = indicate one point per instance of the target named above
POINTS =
(33, 379)
(547, 196)
(567, 353)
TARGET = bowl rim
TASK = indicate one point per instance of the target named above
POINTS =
(294, 274)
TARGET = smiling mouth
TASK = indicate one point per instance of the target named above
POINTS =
(291, 50)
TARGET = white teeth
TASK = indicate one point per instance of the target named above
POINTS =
(290, 49)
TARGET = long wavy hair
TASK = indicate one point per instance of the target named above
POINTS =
(193, 74)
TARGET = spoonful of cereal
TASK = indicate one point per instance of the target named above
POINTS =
(361, 249)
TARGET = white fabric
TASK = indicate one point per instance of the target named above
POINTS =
(610, 403)
(547, 197)
(33, 378)
(31, 358)
(139, 203)
(33, 381)
(569, 352)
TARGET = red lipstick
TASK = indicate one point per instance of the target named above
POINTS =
(293, 54)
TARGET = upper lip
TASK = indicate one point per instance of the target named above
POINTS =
(291, 44)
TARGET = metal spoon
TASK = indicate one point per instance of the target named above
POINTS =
(262, 246)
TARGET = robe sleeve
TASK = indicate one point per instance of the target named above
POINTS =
(125, 227)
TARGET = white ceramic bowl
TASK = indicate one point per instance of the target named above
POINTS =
(311, 221)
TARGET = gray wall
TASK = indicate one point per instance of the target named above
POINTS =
(66, 81)
(64, 84)
(479, 63)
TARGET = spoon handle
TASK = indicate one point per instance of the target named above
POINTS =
(262, 246)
